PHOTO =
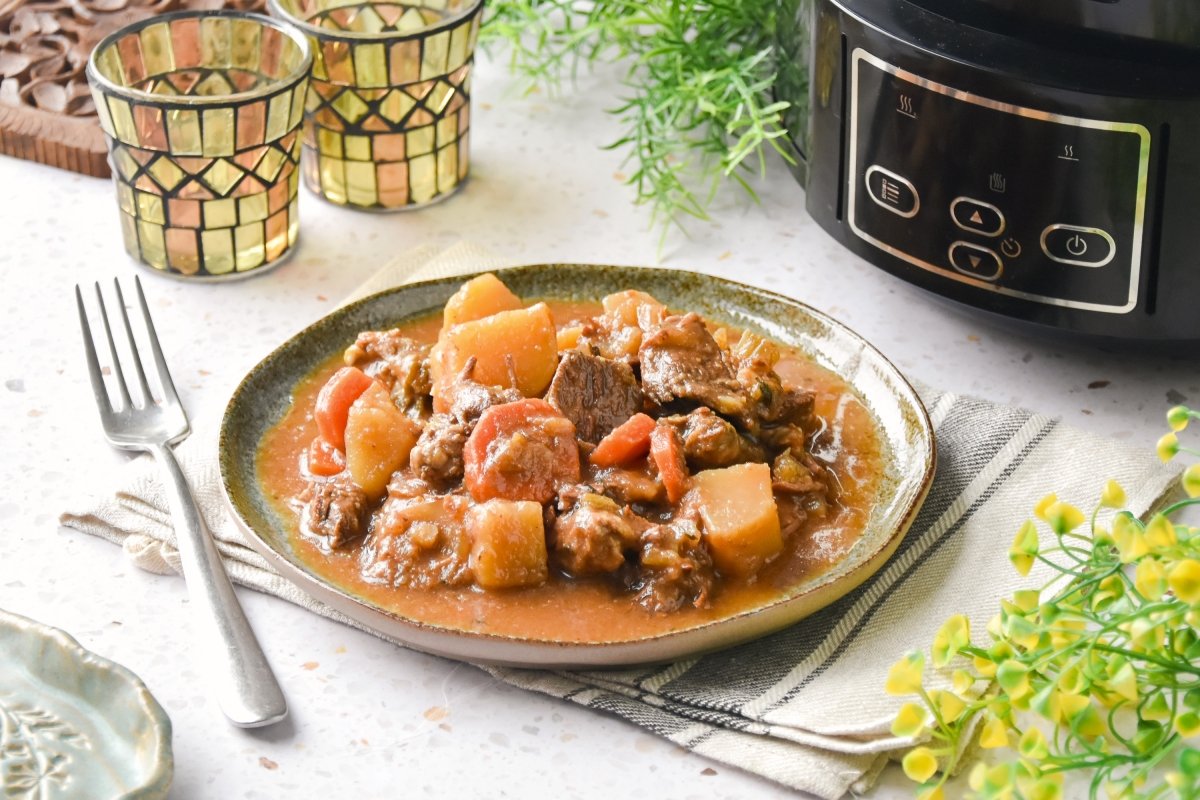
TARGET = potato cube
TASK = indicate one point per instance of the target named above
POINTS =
(740, 521)
(478, 298)
(508, 544)
(378, 439)
(524, 340)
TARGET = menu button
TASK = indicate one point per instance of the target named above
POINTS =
(893, 192)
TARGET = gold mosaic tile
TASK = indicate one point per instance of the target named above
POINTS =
(207, 187)
(385, 114)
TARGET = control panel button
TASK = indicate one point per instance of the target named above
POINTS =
(977, 216)
(893, 192)
(976, 261)
(1078, 245)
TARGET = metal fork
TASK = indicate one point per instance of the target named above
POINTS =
(247, 690)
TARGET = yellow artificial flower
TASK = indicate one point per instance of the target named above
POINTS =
(1039, 509)
(1063, 517)
(1177, 418)
(949, 705)
(920, 764)
(910, 720)
(1013, 677)
(1129, 538)
(1160, 533)
(1112, 496)
(1024, 548)
(1072, 705)
(1032, 745)
(1184, 580)
(1156, 710)
(994, 734)
(1150, 578)
(984, 666)
(1048, 787)
(931, 793)
(962, 681)
(904, 677)
(1072, 680)
(1187, 724)
(1167, 446)
(1124, 682)
(953, 636)
(1026, 599)
(1191, 480)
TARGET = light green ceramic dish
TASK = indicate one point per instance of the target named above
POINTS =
(73, 724)
(265, 394)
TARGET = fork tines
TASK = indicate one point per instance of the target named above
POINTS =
(169, 396)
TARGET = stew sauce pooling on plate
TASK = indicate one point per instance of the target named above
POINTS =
(635, 468)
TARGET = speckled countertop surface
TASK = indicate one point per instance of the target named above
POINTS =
(365, 714)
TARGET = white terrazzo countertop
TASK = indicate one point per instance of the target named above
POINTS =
(368, 719)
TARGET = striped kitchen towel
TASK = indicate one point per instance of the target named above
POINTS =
(805, 706)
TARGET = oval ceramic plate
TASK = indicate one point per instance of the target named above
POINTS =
(73, 724)
(265, 394)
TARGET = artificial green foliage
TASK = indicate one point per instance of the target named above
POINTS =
(1096, 671)
(699, 78)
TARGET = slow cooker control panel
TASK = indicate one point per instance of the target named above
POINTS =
(1013, 200)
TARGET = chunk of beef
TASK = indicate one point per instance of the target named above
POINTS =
(437, 457)
(419, 542)
(627, 486)
(594, 535)
(595, 393)
(468, 399)
(710, 441)
(798, 474)
(399, 362)
(674, 568)
(770, 402)
(335, 512)
(680, 360)
(780, 438)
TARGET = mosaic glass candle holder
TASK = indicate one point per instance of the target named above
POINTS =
(388, 111)
(202, 110)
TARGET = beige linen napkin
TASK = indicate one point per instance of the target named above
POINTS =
(805, 706)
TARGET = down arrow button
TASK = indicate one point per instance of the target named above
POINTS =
(976, 261)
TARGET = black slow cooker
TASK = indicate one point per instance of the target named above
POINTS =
(1034, 159)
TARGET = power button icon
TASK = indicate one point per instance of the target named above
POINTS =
(1078, 245)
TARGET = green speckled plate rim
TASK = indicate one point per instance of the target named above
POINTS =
(96, 681)
(264, 396)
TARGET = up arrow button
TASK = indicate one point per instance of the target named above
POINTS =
(976, 216)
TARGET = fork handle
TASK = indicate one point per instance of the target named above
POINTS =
(247, 689)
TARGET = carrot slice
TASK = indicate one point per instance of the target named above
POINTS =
(520, 451)
(666, 448)
(628, 441)
(334, 401)
(324, 459)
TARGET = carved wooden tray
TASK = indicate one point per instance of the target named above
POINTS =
(46, 111)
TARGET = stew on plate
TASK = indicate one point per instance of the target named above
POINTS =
(507, 467)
